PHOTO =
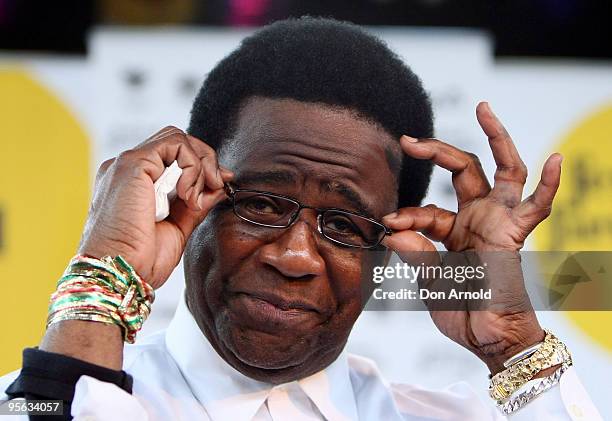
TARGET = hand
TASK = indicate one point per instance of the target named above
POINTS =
(121, 218)
(488, 219)
(121, 221)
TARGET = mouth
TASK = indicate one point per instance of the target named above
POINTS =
(265, 310)
(281, 303)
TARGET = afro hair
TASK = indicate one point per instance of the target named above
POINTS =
(320, 60)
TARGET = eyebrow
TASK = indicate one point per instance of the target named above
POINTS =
(287, 177)
(350, 195)
(265, 177)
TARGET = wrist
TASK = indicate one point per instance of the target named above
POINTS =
(98, 248)
(547, 371)
(515, 341)
(92, 342)
(547, 360)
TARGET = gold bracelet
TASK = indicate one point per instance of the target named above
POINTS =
(550, 353)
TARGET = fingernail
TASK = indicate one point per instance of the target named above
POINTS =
(227, 172)
(219, 178)
(201, 201)
(189, 192)
(560, 159)
(489, 107)
(410, 139)
(220, 197)
(495, 116)
(390, 216)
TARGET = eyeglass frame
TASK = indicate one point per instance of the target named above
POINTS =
(231, 191)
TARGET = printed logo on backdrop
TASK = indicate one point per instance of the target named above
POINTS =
(582, 220)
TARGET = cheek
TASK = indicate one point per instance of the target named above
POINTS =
(231, 246)
(345, 269)
(216, 248)
(351, 274)
(373, 259)
(352, 284)
(199, 264)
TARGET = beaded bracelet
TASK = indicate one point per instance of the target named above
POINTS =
(106, 290)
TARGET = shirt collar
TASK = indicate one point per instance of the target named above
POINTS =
(228, 394)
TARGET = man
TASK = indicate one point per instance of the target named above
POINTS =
(308, 146)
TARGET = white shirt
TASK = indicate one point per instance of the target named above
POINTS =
(179, 376)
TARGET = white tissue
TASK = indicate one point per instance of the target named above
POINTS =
(165, 190)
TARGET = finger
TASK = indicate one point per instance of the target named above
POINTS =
(204, 150)
(413, 248)
(160, 153)
(197, 160)
(165, 132)
(406, 242)
(511, 172)
(201, 185)
(433, 222)
(187, 219)
(209, 199)
(538, 206)
(227, 176)
(469, 179)
(226, 173)
(191, 166)
(198, 187)
(102, 170)
(212, 172)
(209, 160)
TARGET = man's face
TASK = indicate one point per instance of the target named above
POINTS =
(279, 304)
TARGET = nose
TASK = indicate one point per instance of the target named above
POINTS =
(294, 253)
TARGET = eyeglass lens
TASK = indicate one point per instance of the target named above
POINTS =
(274, 211)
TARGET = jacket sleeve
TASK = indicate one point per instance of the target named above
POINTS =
(47, 375)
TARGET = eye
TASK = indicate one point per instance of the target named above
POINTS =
(260, 205)
(342, 224)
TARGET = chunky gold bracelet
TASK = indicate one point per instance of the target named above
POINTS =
(106, 290)
(551, 352)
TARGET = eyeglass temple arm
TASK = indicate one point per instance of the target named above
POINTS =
(229, 190)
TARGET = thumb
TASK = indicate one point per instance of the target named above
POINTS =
(408, 242)
(186, 219)
(413, 249)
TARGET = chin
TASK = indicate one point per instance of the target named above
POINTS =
(266, 351)
(278, 355)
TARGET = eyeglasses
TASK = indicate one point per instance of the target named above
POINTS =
(276, 211)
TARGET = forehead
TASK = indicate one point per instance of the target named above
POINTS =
(314, 145)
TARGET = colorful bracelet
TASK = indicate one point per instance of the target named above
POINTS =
(106, 290)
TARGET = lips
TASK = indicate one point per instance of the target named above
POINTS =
(262, 310)
(280, 302)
